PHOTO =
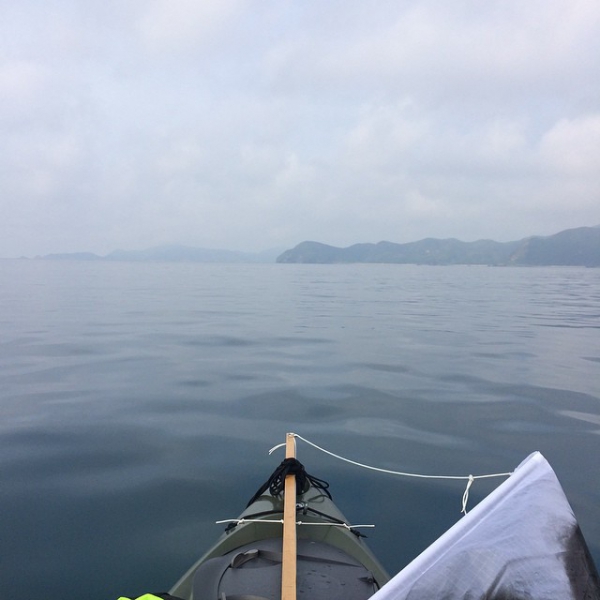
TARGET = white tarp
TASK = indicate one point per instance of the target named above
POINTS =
(520, 542)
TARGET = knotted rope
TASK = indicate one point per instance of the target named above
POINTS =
(468, 478)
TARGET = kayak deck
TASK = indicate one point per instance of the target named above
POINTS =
(322, 571)
(333, 561)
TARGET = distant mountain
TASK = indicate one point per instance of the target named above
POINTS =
(72, 256)
(579, 246)
(188, 254)
(173, 253)
(574, 247)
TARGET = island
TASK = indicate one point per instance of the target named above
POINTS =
(571, 247)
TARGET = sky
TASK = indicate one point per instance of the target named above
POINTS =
(258, 124)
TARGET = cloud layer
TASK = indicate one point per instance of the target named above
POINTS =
(249, 125)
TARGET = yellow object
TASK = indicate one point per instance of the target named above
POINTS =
(144, 597)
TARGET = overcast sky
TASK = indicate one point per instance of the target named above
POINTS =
(252, 124)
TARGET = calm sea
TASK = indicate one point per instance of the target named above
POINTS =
(138, 403)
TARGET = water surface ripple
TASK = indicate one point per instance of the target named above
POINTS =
(138, 402)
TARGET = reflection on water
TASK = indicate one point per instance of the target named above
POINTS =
(139, 402)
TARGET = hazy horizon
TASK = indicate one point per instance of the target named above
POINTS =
(265, 251)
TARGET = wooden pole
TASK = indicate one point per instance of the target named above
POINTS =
(288, 563)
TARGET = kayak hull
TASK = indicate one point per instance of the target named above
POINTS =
(333, 560)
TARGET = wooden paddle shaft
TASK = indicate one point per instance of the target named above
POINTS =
(288, 564)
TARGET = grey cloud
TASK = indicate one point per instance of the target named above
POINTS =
(248, 125)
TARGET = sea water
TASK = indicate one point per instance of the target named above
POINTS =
(138, 402)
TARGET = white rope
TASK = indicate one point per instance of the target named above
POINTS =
(344, 525)
(242, 521)
(465, 497)
(468, 478)
(280, 522)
